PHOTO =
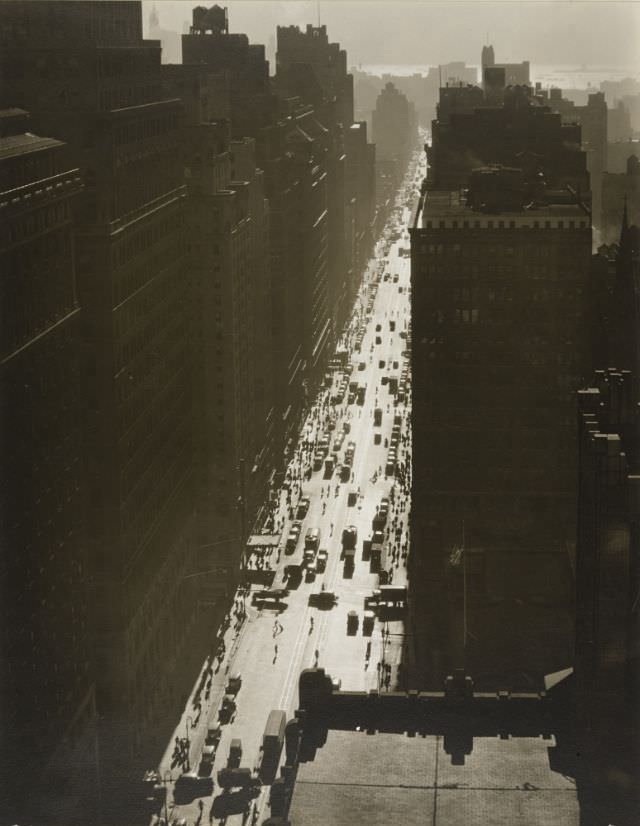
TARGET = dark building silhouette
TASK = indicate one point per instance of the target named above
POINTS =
(228, 231)
(593, 120)
(607, 651)
(515, 74)
(90, 79)
(395, 134)
(315, 71)
(514, 130)
(311, 48)
(500, 265)
(617, 189)
(252, 109)
(48, 689)
(360, 188)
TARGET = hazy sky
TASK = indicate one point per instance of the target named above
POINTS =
(592, 32)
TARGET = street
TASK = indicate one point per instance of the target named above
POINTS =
(269, 644)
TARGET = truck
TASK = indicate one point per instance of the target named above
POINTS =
(236, 778)
(349, 538)
(349, 560)
(395, 595)
(272, 742)
(377, 417)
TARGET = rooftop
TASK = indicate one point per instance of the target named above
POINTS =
(357, 777)
(451, 204)
(24, 144)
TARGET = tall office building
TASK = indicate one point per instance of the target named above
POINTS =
(48, 690)
(290, 143)
(607, 677)
(394, 133)
(499, 267)
(327, 61)
(228, 230)
(90, 79)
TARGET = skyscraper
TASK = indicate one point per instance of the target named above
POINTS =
(48, 688)
(499, 263)
(102, 94)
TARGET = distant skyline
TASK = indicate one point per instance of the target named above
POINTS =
(589, 32)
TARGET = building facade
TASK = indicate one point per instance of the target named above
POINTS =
(500, 274)
(89, 78)
(48, 687)
(607, 678)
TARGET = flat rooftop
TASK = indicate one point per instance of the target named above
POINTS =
(441, 208)
(383, 778)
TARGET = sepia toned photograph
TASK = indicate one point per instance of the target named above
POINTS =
(320, 393)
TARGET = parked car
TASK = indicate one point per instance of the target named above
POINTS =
(233, 684)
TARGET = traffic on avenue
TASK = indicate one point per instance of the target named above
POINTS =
(336, 537)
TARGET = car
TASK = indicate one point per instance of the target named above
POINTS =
(233, 684)
(352, 622)
(214, 733)
(378, 328)
(310, 571)
(381, 363)
(323, 598)
(303, 507)
(321, 559)
(206, 761)
(292, 541)
(378, 340)
(296, 525)
(362, 366)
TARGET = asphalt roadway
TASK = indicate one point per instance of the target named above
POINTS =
(269, 648)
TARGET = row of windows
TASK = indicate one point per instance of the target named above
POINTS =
(141, 130)
(27, 169)
(569, 224)
(23, 227)
(151, 179)
(127, 282)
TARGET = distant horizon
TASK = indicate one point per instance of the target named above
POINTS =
(389, 33)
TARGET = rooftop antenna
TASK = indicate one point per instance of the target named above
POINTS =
(440, 75)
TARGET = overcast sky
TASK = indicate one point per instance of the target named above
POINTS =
(591, 32)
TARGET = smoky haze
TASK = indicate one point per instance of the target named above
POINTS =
(400, 32)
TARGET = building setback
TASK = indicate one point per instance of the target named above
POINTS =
(499, 269)
(89, 78)
(48, 690)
